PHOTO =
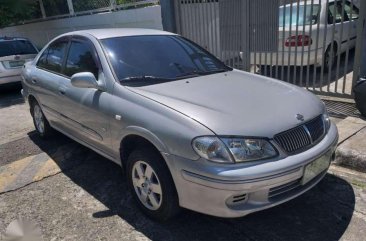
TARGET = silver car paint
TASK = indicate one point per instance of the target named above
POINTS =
(294, 56)
(170, 115)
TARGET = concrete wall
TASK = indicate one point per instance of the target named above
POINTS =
(42, 32)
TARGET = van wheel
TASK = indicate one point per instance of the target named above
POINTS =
(151, 184)
(40, 122)
(329, 58)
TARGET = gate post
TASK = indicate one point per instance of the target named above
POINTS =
(168, 15)
(360, 52)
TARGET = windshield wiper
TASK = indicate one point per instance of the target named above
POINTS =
(142, 78)
(196, 73)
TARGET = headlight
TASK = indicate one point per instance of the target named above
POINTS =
(242, 150)
(212, 148)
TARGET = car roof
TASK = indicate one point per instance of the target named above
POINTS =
(119, 32)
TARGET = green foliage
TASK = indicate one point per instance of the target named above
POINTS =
(16, 11)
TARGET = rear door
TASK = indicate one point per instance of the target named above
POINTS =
(47, 76)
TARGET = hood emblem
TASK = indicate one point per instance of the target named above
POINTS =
(300, 117)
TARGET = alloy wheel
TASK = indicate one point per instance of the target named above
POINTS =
(38, 118)
(147, 185)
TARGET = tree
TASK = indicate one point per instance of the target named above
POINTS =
(16, 11)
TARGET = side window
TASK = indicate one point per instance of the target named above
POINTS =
(335, 13)
(352, 13)
(52, 58)
(81, 59)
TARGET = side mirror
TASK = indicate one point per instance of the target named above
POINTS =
(84, 80)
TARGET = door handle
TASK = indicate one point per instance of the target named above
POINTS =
(34, 80)
(62, 92)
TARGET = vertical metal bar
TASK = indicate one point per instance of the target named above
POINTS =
(178, 16)
(347, 52)
(283, 41)
(216, 32)
(317, 41)
(278, 42)
(324, 45)
(271, 50)
(303, 47)
(359, 43)
(297, 36)
(209, 27)
(340, 47)
(205, 24)
(289, 52)
(310, 46)
(42, 9)
(71, 7)
(253, 34)
(231, 32)
(332, 47)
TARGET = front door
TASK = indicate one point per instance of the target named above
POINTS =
(83, 109)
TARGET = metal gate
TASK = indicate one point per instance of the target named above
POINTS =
(310, 43)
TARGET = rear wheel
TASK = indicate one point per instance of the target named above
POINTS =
(330, 58)
(41, 124)
(151, 184)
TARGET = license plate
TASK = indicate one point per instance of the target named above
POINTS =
(14, 64)
(316, 167)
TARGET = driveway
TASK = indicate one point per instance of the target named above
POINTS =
(73, 193)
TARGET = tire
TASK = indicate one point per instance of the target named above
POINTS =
(160, 207)
(329, 58)
(40, 122)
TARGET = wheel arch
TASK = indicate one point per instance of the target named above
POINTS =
(136, 137)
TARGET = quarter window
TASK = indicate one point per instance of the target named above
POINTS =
(81, 59)
(52, 58)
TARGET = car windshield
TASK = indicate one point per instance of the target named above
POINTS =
(16, 47)
(301, 15)
(154, 59)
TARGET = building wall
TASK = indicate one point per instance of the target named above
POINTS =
(42, 32)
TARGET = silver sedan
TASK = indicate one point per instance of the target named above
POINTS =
(188, 131)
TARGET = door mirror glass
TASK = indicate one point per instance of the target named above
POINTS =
(84, 80)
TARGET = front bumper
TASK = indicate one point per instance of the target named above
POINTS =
(240, 189)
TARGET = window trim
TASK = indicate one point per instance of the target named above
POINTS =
(67, 38)
(82, 39)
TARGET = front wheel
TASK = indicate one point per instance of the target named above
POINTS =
(40, 122)
(151, 184)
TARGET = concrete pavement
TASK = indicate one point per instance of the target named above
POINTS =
(73, 193)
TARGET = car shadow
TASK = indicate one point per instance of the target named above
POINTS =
(10, 95)
(323, 213)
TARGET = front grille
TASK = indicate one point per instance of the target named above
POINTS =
(301, 137)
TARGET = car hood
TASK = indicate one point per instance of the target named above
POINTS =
(237, 103)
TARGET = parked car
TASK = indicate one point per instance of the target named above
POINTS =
(188, 131)
(317, 29)
(14, 52)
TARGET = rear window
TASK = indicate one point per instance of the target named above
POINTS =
(299, 15)
(16, 47)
